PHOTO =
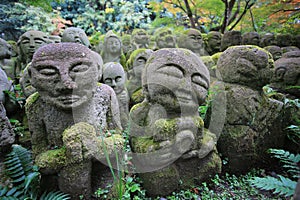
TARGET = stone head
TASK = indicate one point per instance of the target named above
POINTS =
(126, 43)
(65, 74)
(114, 76)
(267, 39)
(5, 49)
(213, 42)
(287, 73)
(231, 38)
(137, 61)
(55, 38)
(76, 35)
(191, 39)
(250, 38)
(175, 78)
(284, 40)
(164, 38)
(251, 66)
(29, 42)
(276, 51)
(140, 36)
(112, 43)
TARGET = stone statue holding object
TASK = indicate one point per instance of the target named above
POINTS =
(70, 116)
(167, 134)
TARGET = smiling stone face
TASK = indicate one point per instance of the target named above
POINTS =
(76, 35)
(64, 74)
(176, 79)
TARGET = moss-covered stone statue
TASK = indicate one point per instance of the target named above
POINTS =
(284, 40)
(171, 148)
(231, 38)
(126, 45)
(115, 76)
(267, 39)
(213, 42)
(164, 38)
(140, 39)
(135, 66)
(253, 121)
(5, 55)
(76, 35)
(69, 117)
(250, 38)
(276, 51)
(192, 39)
(112, 49)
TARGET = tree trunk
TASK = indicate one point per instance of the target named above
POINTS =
(190, 13)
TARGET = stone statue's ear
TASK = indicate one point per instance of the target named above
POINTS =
(279, 73)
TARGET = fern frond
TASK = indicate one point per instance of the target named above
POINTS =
(282, 186)
(54, 196)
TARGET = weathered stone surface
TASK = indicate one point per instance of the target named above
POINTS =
(250, 38)
(213, 42)
(164, 38)
(76, 35)
(166, 129)
(231, 38)
(192, 39)
(276, 51)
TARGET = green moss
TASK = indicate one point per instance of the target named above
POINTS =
(52, 159)
(144, 144)
(167, 128)
(32, 99)
(138, 96)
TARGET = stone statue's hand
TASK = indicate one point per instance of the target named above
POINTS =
(183, 141)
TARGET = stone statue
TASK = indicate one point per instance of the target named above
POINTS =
(267, 39)
(115, 76)
(276, 51)
(55, 38)
(76, 35)
(287, 75)
(253, 122)
(112, 49)
(70, 116)
(5, 55)
(231, 38)
(164, 38)
(140, 39)
(27, 44)
(250, 38)
(135, 65)
(213, 42)
(284, 40)
(126, 45)
(167, 133)
(289, 48)
(191, 39)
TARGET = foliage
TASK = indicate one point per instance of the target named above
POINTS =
(21, 17)
(25, 178)
(281, 185)
(93, 15)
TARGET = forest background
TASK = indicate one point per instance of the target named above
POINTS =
(122, 16)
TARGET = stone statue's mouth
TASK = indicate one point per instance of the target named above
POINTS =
(69, 99)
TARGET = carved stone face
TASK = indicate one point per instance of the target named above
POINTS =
(76, 35)
(276, 51)
(176, 79)
(141, 37)
(165, 39)
(194, 40)
(30, 41)
(250, 38)
(214, 41)
(65, 74)
(113, 45)
(114, 76)
(5, 49)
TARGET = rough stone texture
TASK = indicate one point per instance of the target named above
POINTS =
(5, 55)
(213, 42)
(7, 136)
(114, 76)
(70, 114)
(231, 38)
(164, 38)
(167, 133)
(250, 38)
(289, 48)
(267, 39)
(276, 51)
(76, 35)
(253, 121)
(284, 40)
(140, 39)
(135, 66)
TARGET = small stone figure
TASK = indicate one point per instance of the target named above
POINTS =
(112, 49)
(267, 39)
(250, 38)
(284, 40)
(126, 45)
(166, 129)
(5, 55)
(27, 44)
(276, 51)
(231, 38)
(115, 76)
(213, 42)
(140, 39)
(191, 39)
(135, 65)
(164, 38)
(69, 116)
(253, 122)
(76, 35)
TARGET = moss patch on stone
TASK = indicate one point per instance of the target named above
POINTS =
(52, 159)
